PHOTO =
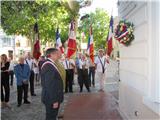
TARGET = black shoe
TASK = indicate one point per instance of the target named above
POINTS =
(27, 102)
(89, 90)
(18, 105)
(33, 95)
(60, 116)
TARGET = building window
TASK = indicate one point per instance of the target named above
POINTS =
(6, 41)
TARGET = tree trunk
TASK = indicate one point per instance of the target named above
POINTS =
(31, 42)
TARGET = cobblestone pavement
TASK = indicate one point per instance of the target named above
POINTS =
(36, 110)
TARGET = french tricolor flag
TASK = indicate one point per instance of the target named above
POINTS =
(72, 46)
(109, 38)
(90, 48)
(58, 42)
(36, 48)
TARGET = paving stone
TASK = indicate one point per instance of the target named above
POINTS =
(36, 110)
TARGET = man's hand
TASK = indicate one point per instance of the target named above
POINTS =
(72, 65)
(55, 105)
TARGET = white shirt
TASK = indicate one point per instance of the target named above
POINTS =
(66, 64)
(71, 62)
(35, 68)
(80, 63)
(30, 63)
(12, 65)
(99, 65)
(83, 63)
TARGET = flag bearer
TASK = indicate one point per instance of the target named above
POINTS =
(83, 73)
(69, 67)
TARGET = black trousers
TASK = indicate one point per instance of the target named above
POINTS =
(91, 75)
(83, 79)
(5, 89)
(72, 76)
(32, 83)
(36, 76)
(51, 113)
(78, 75)
(11, 74)
(20, 90)
(69, 80)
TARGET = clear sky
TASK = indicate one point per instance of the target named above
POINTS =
(107, 5)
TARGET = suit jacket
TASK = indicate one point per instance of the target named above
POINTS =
(22, 74)
(52, 84)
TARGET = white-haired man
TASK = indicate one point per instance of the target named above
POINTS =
(100, 63)
(22, 73)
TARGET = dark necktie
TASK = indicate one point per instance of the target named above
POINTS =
(67, 64)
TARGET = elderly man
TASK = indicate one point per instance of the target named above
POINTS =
(100, 63)
(22, 73)
(52, 84)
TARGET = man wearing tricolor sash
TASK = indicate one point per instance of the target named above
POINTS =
(100, 63)
(52, 84)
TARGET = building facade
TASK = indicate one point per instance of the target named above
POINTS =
(7, 44)
(139, 92)
(13, 46)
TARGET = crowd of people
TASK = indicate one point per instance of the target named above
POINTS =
(56, 74)
(26, 71)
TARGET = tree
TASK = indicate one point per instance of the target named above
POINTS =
(19, 17)
(100, 26)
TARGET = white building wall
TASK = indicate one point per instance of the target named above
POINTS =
(135, 62)
(6, 43)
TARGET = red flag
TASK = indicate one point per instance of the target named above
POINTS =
(110, 48)
(90, 46)
(109, 38)
(36, 49)
(71, 41)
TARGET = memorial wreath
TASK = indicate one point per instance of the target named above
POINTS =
(124, 32)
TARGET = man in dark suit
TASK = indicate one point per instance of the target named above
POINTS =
(52, 84)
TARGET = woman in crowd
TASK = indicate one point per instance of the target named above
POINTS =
(5, 90)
